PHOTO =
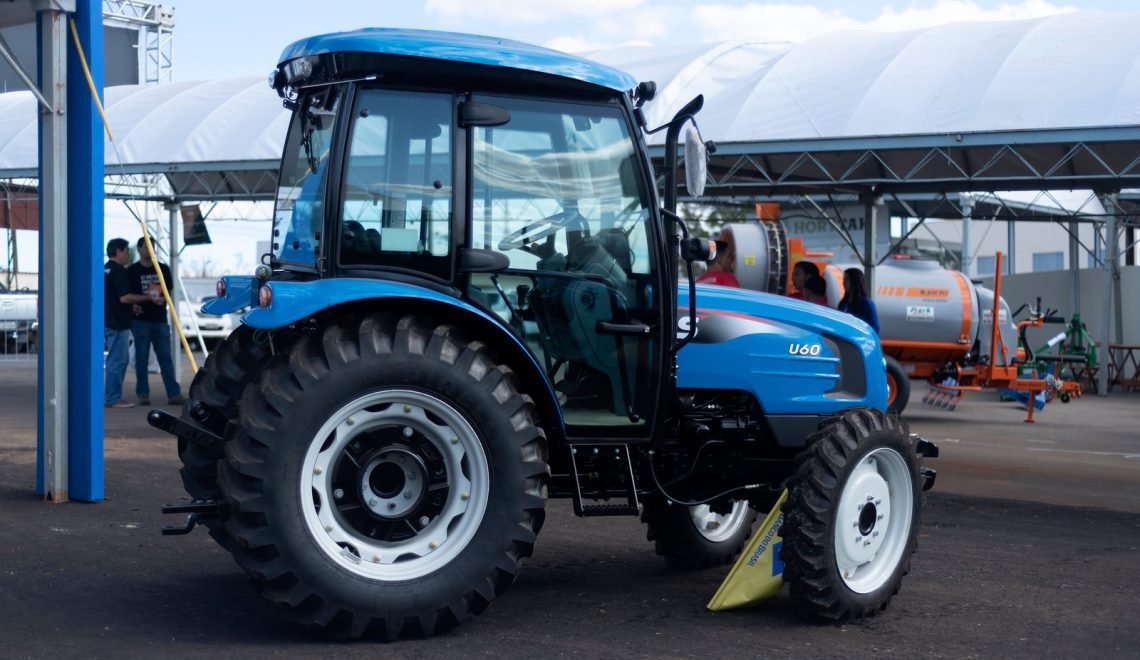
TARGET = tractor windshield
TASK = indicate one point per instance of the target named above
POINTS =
(299, 214)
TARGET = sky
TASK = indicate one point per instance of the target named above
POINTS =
(218, 39)
(215, 38)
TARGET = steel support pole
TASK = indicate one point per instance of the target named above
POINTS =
(871, 211)
(1074, 270)
(966, 203)
(52, 459)
(175, 343)
(1010, 247)
(85, 254)
(1111, 290)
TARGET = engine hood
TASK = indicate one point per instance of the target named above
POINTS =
(781, 309)
(795, 357)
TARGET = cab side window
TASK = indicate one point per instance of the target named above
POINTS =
(396, 210)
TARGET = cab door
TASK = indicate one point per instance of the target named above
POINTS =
(560, 191)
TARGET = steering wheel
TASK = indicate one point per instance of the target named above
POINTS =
(538, 230)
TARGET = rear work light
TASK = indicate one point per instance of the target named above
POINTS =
(220, 288)
(264, 295)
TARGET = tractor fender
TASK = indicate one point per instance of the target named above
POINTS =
(241, 292)
(294, 301)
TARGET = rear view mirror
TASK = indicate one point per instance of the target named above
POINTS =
(696, 163)
(472, 113)
(700, 249)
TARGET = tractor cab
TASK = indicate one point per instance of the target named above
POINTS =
(529, 196)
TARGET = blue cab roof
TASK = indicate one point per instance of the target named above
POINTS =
(456, 47)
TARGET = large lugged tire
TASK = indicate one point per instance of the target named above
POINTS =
(691, 537)
(218, 386)
(852, 516)
(388, 479)
(898, 386)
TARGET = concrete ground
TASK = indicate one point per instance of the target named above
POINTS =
(1029, 548)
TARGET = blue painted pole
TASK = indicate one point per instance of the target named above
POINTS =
(86, 255)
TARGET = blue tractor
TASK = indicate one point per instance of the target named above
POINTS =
(474, 303)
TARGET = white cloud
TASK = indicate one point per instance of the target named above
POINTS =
(574, 44)
(643, 27)
(787, 22)
(527, 11)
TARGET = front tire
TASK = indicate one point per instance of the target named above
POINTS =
(388, 478)
(852, 516)
(692, 537)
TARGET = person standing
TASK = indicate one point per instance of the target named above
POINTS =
(116, 322)
(720, 270)
(815, 290)
(801, 272)
(150, 327)
(855, 299)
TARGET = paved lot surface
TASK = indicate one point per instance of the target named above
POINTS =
(1029, 548)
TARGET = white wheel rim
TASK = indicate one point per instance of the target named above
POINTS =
(873, 521)
(719, 527)
(408, 482)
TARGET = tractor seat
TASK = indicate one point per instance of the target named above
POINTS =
(568, 312)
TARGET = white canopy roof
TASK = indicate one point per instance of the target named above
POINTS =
(854, 109)
(1061, 72)
(208, 137)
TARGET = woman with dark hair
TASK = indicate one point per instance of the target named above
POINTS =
(855, 299)
(801, 273)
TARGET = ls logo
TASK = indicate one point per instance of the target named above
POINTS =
(804, 349)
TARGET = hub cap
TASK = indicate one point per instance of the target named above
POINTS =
(874, 520)
(394, 485)
(719, 527)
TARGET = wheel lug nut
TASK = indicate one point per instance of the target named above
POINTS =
(859, 506)
(407, 494)
(465, 496)
(328, 528)
(350, 421)
(407, 408)
(391, 505)
(878, 502)
(433, 545)
(455, 441)
(858, 538)
(338, 494)
(870, 498)
(874, 534)
(880, 516)
(372, 502)
(376, 558)
(411, 476)
(424, 520)
(866, 543)
(407, 431)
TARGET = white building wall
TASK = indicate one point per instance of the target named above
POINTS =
(988, 237)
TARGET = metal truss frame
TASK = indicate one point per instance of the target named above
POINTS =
(1103, 159)
(155, 24)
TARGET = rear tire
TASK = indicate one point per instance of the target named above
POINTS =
(852, 516)
(388, 479)
(898, 386)
(692, 537)
(218, 386)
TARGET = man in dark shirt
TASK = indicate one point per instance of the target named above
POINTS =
(116, 321)
(151, 328)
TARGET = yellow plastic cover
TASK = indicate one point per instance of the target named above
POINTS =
(758, 574)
